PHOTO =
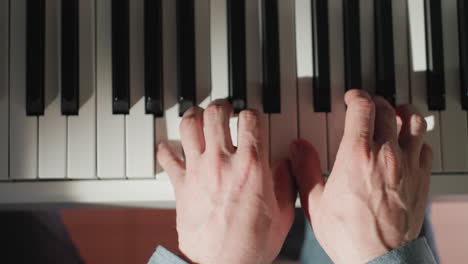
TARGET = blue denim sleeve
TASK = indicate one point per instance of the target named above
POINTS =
(164, 256)
(414, 252)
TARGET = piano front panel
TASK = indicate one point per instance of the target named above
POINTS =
(84, 153)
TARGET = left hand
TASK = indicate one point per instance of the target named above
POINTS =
(229, 209)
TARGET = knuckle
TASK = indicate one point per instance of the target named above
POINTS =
(390, 156)
(365, 104)
(213, 111)
(418, 124)
(361, 148)
(388, 109)
(250, 116)
(189, 122)
(251, 154)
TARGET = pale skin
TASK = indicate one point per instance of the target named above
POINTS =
(232, 207)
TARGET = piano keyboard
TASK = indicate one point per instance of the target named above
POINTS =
(88, 87)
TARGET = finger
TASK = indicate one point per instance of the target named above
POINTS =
(172, 164)
(308, 175)
(284, 185)
(216, 126)
(425, 160)
(191, 132)
(385, 121)
(251, 134)
(413, 129)
(399, 123)
(360, 116)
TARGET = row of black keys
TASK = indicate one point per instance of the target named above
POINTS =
(385, 70)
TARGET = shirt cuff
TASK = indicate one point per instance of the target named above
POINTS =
(415, 252)
(164, 256)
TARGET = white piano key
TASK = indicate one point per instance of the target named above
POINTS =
(110, 128)
(52, 125)
(139, 126)
(418, 69)
(82, 128)
(253, 38)
(23, 129)
(312, 125)
(4, 79)
(219, 57)
(400, 45)
(335, 119)
(167, 127)
(454, 131)
(366, 15)
(283, 126)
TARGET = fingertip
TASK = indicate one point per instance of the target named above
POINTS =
(413, 129)
(356, 93)
(169, 161)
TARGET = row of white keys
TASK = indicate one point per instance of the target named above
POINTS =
(110, 127)
(283, 126)
(81, 148)
(400, 47)
(335, 119)
(454, 131)
(139, 126)
(52, 125)
(4, 53)
(219, 57)
(418, 81)
(312, 125)
(23, 129)
(254, 61)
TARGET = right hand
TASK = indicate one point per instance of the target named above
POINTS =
(375, 196)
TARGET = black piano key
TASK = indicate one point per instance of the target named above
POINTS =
(236, 51)
(384, 55)
(320, 35)
(35, 57)
(70, 57)
(463, 42)
(271, 57)
(435, 56)
(153, 58)
(186, 54)
(120, 57)
(352, 44)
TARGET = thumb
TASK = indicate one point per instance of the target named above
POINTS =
(285, 190)
(285, 193)
(307, 174)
